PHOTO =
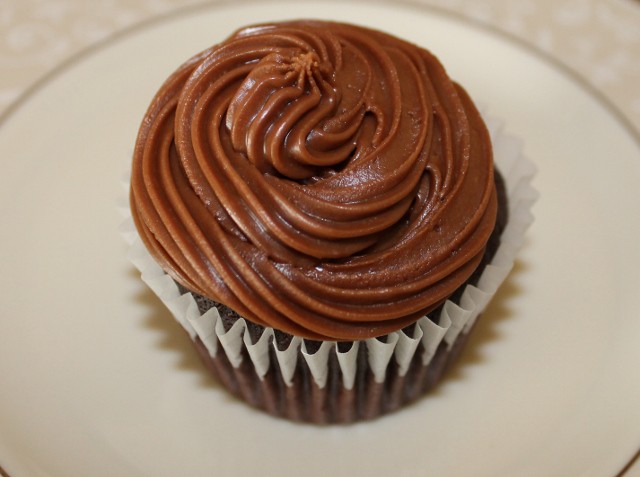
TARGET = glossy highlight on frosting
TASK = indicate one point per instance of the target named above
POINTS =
(324, 179)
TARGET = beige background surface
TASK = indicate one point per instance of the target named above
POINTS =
(599, 40)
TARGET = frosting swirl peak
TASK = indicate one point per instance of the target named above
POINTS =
(320, 178)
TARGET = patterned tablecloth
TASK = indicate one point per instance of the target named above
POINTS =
(599, 40)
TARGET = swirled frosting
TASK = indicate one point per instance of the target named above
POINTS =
(323, 179)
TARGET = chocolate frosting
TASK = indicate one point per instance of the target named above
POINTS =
(323, 179)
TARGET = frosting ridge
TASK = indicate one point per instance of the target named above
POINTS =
(319, 178)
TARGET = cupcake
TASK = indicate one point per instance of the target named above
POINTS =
(317, 204)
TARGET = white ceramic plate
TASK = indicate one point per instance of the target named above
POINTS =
(97, 380)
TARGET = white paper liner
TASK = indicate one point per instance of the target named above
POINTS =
(454, 319)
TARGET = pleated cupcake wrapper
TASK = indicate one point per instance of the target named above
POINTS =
(430, 332)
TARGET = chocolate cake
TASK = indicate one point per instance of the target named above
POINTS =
(328, 185)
